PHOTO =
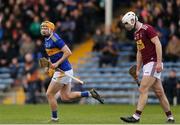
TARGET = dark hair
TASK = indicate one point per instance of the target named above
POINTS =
(177, 34)
(173, 70)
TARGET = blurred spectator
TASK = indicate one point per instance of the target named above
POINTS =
(31, 81)
(172, 28)
(169, 85)
(27, 45)
(90, 8)
(99, 40)
(109, 54)
(178, 92)
(173, 49)
(168, 10)
(66, 30)
(120, 31)
(16, 71)
(35, 27)
(1, 32)
(80, 29)
(163, 34)
(132, 57)
(27, 15)
(14, 68)
(39, 50)
(5, 54)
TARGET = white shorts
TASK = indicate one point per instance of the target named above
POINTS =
(149, 70)
(62, 78)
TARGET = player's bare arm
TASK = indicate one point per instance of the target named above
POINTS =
(139, 62)
(158, 47)
(66, 53)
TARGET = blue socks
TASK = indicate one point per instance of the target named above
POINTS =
(85, 94)
(54, 114)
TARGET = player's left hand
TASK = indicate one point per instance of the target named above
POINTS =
(159, 67)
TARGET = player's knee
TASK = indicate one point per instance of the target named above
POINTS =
(143, 90)
(49, 95)
(65, 97)
(159, 94)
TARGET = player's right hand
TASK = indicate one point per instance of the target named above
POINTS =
(54, 65)
(137, 74)
(49, 71)
(159, 67)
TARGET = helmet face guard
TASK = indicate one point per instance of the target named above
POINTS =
(129, 20)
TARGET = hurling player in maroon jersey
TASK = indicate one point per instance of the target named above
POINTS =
(149, 55)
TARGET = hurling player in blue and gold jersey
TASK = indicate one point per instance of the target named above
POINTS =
(58, 53)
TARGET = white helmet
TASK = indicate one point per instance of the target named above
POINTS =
(130, 18)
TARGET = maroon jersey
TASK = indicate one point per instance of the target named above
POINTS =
(144, 45)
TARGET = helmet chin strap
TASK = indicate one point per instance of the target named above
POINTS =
(134, 24)
(134, 27)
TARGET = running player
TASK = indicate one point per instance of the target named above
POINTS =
(58, 53)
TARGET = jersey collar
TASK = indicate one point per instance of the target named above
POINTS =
(49, 37)
(139, 28)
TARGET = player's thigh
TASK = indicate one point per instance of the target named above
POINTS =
(149, 69)
(53, 87)
(65, 91)
(146, 83)
(158, 88)
(61, 81)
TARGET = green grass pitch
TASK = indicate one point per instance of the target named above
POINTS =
(82, 114)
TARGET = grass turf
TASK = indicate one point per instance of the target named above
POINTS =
(82, 114)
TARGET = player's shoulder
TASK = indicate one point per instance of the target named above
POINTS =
(147, 27)
(55, 37)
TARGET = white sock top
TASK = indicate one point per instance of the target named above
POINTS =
(136, 116)
(171, 117)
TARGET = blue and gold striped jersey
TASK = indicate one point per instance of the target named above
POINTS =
(53, 46)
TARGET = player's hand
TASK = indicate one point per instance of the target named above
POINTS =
(49, 71)
(159, 67)
(137, 74)
(54, 65)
